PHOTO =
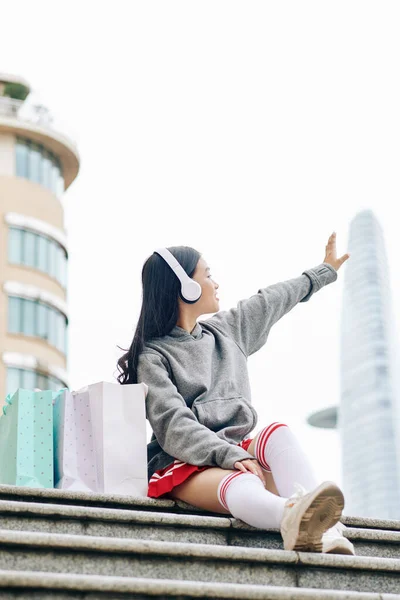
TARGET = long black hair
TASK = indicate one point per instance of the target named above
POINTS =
(160, 310)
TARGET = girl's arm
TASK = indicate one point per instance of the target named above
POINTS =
(174, 424)
(249, 323)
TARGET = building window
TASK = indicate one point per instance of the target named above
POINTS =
(22, 158)
(29, 380)
(52, 260)
(29, 249)
(35, 318)
(39, 252)
(36, 163)
(35, 158)
(15, 245)
(42, 253)
(380, 351)
(13, 315)
(26, 315)
(381, 372)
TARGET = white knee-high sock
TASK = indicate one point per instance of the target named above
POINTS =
(278, 451)
(244, 495)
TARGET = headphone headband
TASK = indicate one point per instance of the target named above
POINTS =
(190, 289)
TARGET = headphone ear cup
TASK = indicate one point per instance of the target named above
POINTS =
(187, 301)
(190, 291)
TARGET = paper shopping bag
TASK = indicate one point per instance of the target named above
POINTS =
(26, 439)
(100, 439)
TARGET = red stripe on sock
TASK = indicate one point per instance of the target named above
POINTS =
(263, 442)
(260, 455)
(225, 486)
(266, 437)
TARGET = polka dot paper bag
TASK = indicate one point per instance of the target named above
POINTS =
(100, 439)
(26, 439)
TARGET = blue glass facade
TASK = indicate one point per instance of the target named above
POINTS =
(370, 462)
(38, 251)
(34, 318)
(36, 163)
(30, 379)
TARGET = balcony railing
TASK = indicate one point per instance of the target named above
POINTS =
(36, 114)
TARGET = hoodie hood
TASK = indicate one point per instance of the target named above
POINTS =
(181, 334)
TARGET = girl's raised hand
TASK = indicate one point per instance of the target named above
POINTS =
(330, 253)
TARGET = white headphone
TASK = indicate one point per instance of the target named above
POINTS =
(190, 289)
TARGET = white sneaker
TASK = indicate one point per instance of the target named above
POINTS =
(307, 515)
(334, 542)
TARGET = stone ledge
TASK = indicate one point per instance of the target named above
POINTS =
(110, 514)
(140, 517)
(79, 543)
(68, 495)
(155, 587)
(18, 493)
(369, 523)
(375, 535)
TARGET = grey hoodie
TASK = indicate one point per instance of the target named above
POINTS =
(199, 399)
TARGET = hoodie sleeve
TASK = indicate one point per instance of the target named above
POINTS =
(249, 323)
(175, 426)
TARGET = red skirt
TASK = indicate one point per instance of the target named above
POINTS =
(164, 480)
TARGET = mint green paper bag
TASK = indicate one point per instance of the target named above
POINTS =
(26, 439)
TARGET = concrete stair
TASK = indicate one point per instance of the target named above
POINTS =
(62, 544)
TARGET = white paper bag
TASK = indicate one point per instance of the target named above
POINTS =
(100, 439)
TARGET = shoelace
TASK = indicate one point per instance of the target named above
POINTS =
(300, 491)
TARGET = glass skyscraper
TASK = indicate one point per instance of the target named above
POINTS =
(368, 414)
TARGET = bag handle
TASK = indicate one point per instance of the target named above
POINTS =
(9, 398)
(54, 395)
(57, 394)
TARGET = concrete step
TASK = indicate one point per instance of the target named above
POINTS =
(54, 496)
(66, 497)
(76, 554)
(112, 522)
(58, 586)
(164, 526)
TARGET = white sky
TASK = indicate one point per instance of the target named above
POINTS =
(248, 130)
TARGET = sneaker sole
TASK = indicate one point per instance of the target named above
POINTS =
(324, 511)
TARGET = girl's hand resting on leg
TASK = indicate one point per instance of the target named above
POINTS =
(252, 465)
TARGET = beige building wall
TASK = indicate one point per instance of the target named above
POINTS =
(7, 154)
(28, 198)
(22, 198)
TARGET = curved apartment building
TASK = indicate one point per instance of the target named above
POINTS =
(37, 164)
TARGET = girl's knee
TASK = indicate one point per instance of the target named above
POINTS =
(259, 442)
(269, 429)
(263, 436)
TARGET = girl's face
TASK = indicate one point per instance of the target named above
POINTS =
(209, 301)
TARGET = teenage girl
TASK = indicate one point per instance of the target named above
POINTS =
(199, 402)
